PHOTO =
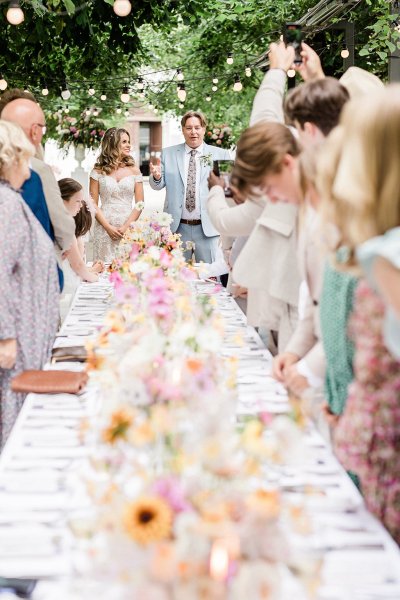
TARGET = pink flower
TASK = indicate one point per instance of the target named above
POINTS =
(116, 278)
(93, 132)
(135, 251)
(171, 490)
(76, 135)
(72, 129)
(219, 142)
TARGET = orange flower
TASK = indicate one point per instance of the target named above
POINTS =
(148, 520)
(194, 364)
(121, 420)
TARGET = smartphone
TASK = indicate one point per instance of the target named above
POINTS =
(23, 588)
(223, 168)
(293, 36)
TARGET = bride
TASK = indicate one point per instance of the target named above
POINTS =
(116, 180)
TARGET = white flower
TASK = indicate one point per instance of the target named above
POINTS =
(257, 579)
(206, 159)
(154, 252)
(163, 219)
(139, 266)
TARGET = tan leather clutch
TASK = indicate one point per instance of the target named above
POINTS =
(49, 382)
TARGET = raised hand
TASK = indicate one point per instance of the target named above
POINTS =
(310, 69)
(281, 56)
(155, 170)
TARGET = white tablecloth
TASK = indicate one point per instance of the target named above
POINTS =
(44, 451)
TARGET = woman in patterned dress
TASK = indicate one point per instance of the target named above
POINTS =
(364, 202)
(28, 276)
(116, 181)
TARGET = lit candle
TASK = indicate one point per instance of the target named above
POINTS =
(219, 561)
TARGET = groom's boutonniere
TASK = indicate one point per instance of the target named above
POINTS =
(206, 160)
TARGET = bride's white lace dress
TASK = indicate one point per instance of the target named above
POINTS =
(116, 203)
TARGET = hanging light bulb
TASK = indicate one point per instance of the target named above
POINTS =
(182, 92)
(229, 59)
(155, 109)
(91, 91)
(103, 97)
(214, 88)
(237, 86)
(65, 93)
(45, 90)
(247, 71)
(95, 112)
(66, 109)
(215, 79)
(140, 84)
(125, 97)
(291, 73)
(15, 14)
(208, 98)
(181, 105)
(126, 113)
(122, 8)
(88, 112)
(345, 53)
(119, 110)
(3, 84)
(151, 106)
(179, 75)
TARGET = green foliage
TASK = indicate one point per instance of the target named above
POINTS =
(87, 43)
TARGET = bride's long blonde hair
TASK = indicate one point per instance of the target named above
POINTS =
(109, 157)
(358, 170)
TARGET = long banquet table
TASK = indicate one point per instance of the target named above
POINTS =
(45, 450)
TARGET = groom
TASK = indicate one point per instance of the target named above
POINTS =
(184, 171)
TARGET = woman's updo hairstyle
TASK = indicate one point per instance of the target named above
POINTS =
(109, 158)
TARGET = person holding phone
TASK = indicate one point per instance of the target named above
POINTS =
(183, 172)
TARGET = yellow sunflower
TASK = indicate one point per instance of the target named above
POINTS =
(148, 519)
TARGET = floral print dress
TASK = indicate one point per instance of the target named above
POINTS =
(367, 437)
(29, 294)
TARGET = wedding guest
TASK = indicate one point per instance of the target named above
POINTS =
(272, 283)
(364, 201)
(183, 172)
(117, 182)
(28, 275)
(379, 259)
(52, 214)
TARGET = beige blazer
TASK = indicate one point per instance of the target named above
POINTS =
(62, 222)
(306, 339)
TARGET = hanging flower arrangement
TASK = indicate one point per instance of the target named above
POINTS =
(85, 131)
(219, 135)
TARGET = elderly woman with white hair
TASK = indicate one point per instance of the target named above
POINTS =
(28, 275)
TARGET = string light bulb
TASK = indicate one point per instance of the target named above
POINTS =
(214, 88)
(122, 8)
(140, 84)
(3, 84)
(155, 109)
(215, 79)
(126, 113)
(45, 90)
(125, 97)
(103, 97)
(182, 92)
(119, 110)
(88, 112)
(345, 53)
(247, 71)
(95, 112)
(66, 109)
(91, 91)
(181, 105)
(65, 93)
(208, 98)
(151, 106)
(15, 14)
(179, 75)
(229, 59)
(237, 86)
(291, 73)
